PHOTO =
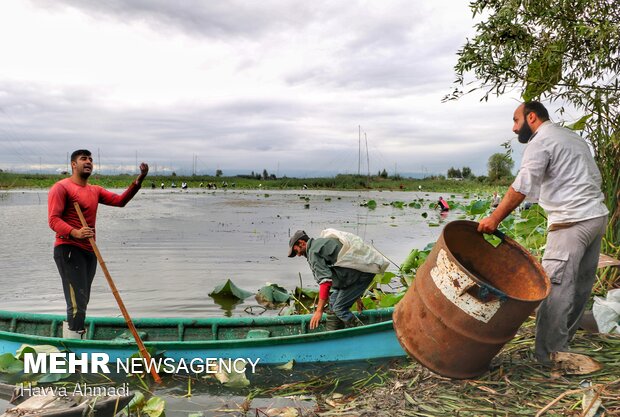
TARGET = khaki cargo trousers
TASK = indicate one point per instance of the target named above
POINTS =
(570, 261)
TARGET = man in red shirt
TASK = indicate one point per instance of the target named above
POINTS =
(73, 253)
(443, 205)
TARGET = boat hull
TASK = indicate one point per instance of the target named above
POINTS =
(372, 341)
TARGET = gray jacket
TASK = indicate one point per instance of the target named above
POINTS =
(322, 254)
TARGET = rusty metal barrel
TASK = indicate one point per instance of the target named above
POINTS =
(467, 300)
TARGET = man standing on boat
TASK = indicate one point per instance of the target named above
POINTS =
(559, 171)
(342, 262)
(73, 253)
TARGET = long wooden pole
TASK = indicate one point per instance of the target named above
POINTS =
(119, 300)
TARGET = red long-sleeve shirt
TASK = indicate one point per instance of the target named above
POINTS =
(324, 290)
(63, 217)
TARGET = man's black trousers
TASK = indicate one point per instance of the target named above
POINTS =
(77, 269)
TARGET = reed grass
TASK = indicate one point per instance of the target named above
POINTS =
(515, 386)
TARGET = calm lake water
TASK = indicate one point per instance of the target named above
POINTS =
(167, 249)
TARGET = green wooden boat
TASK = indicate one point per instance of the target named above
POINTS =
(271, 340)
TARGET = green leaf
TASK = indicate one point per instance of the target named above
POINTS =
(544, 71)
(478, 207)
(309, 293)
(154, 406)
(35, 349)
(371, 204)
(305, 298)
(492, 239)
(414, 260)
(230, 290)
(525, 228)
(369, 303)
(137, 401)
(535, 241)
(384, 278)
(390, 300)
(579, 124)
(272, 295)
(534, 211)
(10, 365)
(410, 261)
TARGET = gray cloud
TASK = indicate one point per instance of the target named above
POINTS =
(239, 135)
(383, 66)
(397, 48)
(195, 17)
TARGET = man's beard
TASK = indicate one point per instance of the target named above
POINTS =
(84, 175)
(525, 133)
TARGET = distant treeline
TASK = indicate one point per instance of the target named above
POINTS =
(339, 182)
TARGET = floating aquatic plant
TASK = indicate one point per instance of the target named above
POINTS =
(229, 290)
(371, 204)
(272, 296)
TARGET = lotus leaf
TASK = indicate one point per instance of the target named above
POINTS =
(390, 300)
(154, 407)
(272, 296)
(10, 365)
(229, 290)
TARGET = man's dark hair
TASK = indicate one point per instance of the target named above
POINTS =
(79, 152)
(537, 108)
(305, 238)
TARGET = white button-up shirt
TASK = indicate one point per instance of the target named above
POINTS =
(559, 171)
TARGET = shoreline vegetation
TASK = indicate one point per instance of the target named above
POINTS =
(515, 385)
(10, 181)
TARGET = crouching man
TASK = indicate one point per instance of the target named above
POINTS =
(342, 262)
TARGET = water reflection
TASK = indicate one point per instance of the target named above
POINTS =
(227, 304)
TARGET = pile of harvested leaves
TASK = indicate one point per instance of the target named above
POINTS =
(515, 386)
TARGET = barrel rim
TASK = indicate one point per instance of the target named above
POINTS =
(514, 244)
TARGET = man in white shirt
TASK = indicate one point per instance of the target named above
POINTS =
(559, 172)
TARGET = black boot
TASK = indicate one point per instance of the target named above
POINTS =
(332, 322)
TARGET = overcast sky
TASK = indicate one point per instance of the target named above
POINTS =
(241, 86)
